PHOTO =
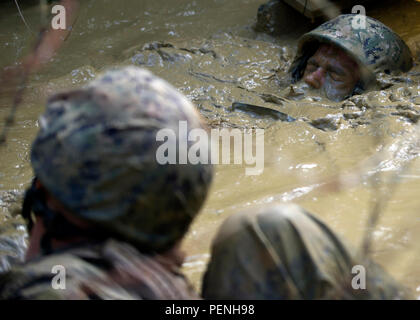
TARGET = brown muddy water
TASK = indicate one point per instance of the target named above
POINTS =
(335, 160)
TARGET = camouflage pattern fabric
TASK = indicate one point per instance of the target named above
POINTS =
(96, 153)
(110, 270)
(375, 48)
(284, 252)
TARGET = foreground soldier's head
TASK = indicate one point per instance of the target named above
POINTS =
(96, 170)
(342, 57)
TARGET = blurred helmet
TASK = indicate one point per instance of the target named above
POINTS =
(96, 153)
(284, 252)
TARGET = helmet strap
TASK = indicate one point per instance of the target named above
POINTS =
(56, 225)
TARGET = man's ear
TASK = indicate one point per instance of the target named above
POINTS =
(32, 194)
(298, 68)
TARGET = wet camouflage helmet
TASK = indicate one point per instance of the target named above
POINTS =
(375, 48)
(96, 152)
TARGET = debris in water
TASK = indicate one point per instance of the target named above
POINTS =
(262, 111)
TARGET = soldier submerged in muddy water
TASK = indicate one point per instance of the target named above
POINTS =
(343, 56)
(101, 207)
(284, 252)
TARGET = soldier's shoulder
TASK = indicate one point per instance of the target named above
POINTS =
(111, 270)
(36, 279)
(61, 275)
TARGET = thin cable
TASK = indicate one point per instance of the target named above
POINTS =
(304, 9)
(23, 18)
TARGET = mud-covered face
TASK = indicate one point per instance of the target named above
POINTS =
(331, 70)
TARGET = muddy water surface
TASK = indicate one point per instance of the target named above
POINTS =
(334, 160)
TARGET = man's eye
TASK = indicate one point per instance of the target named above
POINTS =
(312, 67)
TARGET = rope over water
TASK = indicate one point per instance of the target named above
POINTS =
(23, 18)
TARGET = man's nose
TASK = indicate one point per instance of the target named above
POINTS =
(316, 79)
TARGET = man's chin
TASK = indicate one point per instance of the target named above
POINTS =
(325, 93)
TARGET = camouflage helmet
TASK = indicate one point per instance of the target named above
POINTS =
(376, 48)
(284, 252)
(96, 152)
